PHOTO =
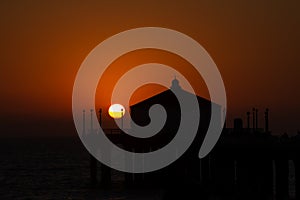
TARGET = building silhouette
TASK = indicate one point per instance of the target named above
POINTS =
(139, 114)
(246, 163)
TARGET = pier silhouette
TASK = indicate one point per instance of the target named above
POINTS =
(248, 162)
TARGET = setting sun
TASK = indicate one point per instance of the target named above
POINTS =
(116, 111)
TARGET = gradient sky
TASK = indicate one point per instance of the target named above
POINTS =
(255, 44)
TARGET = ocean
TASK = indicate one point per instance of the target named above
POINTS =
(58, 168)
(54, 168)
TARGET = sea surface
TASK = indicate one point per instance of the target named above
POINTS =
(58, 168)
(54, 168)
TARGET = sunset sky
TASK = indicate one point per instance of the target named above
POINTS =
(255, 45)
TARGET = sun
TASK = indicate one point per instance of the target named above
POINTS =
(116, 111)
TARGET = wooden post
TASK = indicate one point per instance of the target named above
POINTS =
(105, 176)
(281, 178)
(93, 161)
(93, 170)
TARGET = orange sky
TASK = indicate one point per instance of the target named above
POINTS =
(136, 58)
(255, 44)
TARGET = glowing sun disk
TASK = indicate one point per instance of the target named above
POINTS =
(116, 111)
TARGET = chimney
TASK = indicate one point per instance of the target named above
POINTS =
(267, 120)
(83, 121)
(224, 117)
(253, 114)
(100, 117)
(122, 114)
(248, 120)
(256, 118)
(92, 120)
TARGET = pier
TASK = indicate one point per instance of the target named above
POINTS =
(247, 165)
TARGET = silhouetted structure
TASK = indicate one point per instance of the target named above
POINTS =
(247, 163)
(267, 120)
(139, 114)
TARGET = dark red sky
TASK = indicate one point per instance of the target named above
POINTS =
(255, 44)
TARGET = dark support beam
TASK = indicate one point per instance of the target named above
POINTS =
(93, 170)
(253, 115)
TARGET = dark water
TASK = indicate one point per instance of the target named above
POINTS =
(58, 168)
(53, 168)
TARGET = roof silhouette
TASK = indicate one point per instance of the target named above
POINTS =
(167, 99)
(165, 94)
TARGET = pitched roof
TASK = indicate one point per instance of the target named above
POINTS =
(165, 96)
